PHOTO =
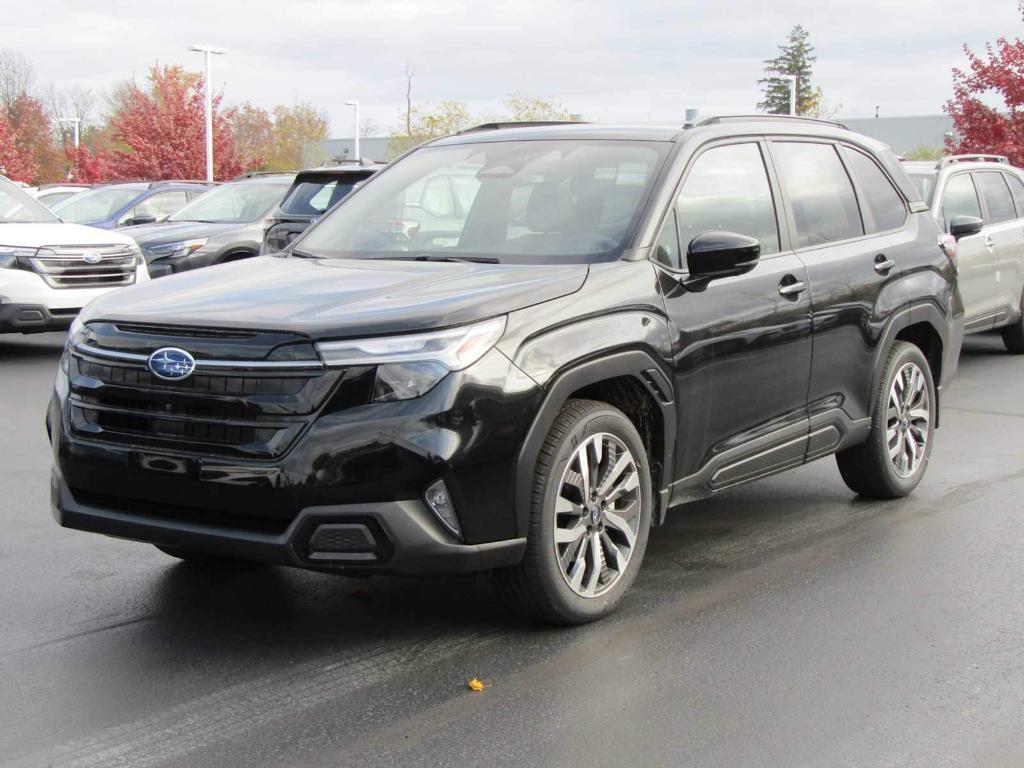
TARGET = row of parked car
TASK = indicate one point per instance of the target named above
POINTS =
(72, 243)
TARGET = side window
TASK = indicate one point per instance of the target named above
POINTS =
(727, 189)
(666, 249)
(959, 198)
(1017, 190)
(162, 204)
(880, 196)
(997, 197)
(819, 191)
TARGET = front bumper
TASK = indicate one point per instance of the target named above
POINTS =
(399, 537)
(34, 318)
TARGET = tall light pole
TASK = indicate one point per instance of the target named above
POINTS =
(356, 105)
(792, 93)
(74, 122)
(209, 50)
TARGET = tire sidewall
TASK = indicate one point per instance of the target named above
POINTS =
(566, 602)
(907, 353)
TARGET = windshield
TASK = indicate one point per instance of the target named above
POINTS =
(311, 197)
(526, 201)
(925, 183)
(19, 207)
(233, 203)
(95, 205)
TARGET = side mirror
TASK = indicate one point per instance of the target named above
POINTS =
(965, 226)
(716, 254)
(142, 218)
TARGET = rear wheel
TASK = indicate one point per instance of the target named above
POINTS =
(590, 517)
(1013, 336)
(893, 460)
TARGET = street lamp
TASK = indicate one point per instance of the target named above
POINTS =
(209, 50)
(792, 93)
(75, 121)
(356, 105)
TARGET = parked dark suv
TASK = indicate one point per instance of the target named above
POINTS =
(314, 192)
(625, 319)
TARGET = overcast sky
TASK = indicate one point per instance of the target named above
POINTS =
(609, 60)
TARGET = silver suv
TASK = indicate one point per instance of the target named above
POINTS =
(979, 201)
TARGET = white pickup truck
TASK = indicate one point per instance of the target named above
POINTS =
(49, 270)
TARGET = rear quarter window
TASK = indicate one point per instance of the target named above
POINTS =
(880, 197)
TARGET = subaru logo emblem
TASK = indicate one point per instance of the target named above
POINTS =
(91, 257)
(171, 363)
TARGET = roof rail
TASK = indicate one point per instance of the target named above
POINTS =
(760, 116)
(159, 182)
(517, 124)
(954, 159)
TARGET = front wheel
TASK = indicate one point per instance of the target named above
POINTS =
(590, 517)
(892, 461)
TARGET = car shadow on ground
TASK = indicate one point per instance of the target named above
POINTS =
(22, 348)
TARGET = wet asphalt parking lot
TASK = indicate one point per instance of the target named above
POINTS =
(784, 623)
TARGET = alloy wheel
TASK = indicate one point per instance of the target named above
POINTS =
(597, 515)
(908, 420)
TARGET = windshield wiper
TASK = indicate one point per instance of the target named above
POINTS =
(449, 257)
(304, 255)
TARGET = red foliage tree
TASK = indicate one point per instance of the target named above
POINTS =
(87, 167)
(15, 163)
(980, 127)
(164, 128)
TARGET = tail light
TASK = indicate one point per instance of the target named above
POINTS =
(948, 245)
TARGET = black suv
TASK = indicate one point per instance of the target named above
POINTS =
(314, 192)
(614, 321)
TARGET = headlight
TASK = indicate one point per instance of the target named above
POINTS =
(9, 255)
(73, 331)
(409, 366)
(178, 250)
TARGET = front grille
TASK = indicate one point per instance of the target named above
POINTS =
(66, 266)
(244, 413)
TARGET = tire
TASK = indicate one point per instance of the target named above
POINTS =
(1013, 336)
(573, 582)
(202, 558)
(871, 469)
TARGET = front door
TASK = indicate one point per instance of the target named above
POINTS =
(742, 343)
(973, 254)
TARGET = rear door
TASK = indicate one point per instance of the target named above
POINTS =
(853, 245)
(1013, 280)
(1002, 240)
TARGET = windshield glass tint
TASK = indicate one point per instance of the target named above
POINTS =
(95, 205)
(234, 203)
(530, 201)
(19, 207)
(313, 197)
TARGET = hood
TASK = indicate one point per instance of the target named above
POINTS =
(329, 298)
(151, 235)
(58, 233)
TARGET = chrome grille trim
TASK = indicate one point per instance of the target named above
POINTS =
(219, 365)
(64, 266)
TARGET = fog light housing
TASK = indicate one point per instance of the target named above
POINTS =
(440, 504)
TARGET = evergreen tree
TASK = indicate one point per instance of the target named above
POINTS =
(796, 57)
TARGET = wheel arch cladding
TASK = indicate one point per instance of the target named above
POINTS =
(632, 381)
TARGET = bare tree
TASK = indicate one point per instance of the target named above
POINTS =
(410, 70)
(368, 127)
(17, 76)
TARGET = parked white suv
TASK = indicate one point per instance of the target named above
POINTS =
(979, 200)
(49, 270)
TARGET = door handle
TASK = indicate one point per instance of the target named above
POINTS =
(989, 242)
(883, 264)
(794, 288)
